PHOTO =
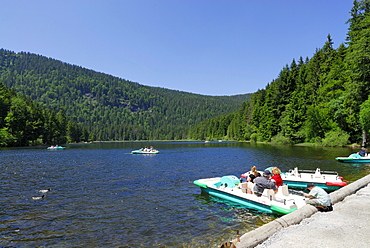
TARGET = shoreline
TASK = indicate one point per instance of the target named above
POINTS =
(289, 228)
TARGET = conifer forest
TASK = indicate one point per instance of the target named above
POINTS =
(322, 100)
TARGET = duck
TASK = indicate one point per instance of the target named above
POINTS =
(44, 190)
(38, 197)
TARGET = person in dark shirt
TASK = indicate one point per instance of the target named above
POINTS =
(262, 183)
(363, 152)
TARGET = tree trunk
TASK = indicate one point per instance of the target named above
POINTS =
(364, 141)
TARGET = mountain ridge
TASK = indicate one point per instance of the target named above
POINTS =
(111, 108)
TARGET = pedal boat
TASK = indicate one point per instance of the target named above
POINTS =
(354, 158)
(140, 151)
(56, 148)
(229, 188)
(328, 180)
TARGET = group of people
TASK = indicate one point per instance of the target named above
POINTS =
(271, 179)
(147, 149)
(257, 182)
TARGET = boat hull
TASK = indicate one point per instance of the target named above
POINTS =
(353, 160)
(141, 152)
(245, 203)
(303, 185)
(56, 148)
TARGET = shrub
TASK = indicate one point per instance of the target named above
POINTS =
(281, 139)
(335, 138)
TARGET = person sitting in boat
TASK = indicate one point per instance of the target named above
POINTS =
(264, 182)
(362, 152)
(250, 175)
(276, 176)
(318, 198)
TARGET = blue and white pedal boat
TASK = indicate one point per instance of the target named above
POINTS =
(56, 148)
(141, 151)
(229, 188)
(354, 158)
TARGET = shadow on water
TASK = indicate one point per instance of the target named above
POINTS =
(102, 195)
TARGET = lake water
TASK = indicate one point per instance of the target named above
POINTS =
(104, 196)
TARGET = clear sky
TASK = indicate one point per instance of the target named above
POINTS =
(209, 47)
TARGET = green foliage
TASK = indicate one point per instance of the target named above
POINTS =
(322, 100)
(281, 139)
(6, 138)
(319, 100)
(23, 122)
(110, 108)
(335, 138)
(365, 115)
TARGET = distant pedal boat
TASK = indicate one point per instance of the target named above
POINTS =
(230, 189)
(56, 148)
(141, 151)
(354, 158)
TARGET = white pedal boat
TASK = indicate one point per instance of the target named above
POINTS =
(229, 188)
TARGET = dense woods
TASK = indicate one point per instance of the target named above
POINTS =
(103, 107)
(322, 100)
(24, 122)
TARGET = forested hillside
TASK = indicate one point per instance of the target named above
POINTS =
(322, 100)
(110, 108)
(24, 122)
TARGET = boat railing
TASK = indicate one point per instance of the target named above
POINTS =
(313, 171)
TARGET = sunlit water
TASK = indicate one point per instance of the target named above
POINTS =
(104, 196)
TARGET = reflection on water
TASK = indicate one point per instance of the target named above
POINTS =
(102, 195)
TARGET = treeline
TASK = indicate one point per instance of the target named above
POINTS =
(110, 108)
(24, 122)
(322, 100)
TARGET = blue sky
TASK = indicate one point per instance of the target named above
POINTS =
(208, 47)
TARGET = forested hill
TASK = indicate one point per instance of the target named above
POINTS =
(110, 108)
(323, 100)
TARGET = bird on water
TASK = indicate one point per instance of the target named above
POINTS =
(44, 190)
(38, 197)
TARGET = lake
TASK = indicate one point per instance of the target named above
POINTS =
(104, 196)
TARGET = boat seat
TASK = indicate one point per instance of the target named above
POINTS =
(283, 190)
(243, 187)
(250, 187)
(317, 173)
(295, 172)
(271, 195)
(265, 192)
